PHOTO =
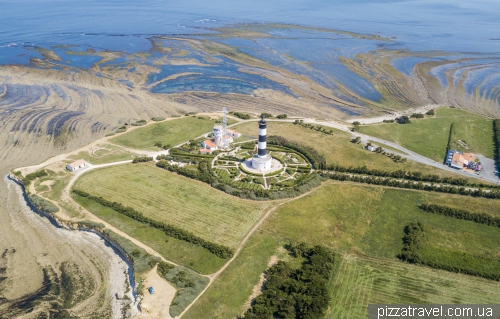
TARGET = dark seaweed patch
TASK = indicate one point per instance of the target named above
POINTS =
(57, 122)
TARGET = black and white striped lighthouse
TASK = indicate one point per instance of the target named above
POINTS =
(262, 137)
(262, 161)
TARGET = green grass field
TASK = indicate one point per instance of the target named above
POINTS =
(178, 251)
(171, 132)
(177, 200)
(429, 136)
(337, 148)
(360, 281)
(107, 153)
(364, 224)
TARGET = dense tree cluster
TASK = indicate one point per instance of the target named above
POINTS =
(296, 293)
(414, 233)
(218, 250)
(479, 218)
(281, 116)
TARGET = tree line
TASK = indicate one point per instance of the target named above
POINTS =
(296, 293)
(142, 159)
(415, 176)
(479, 218)
(410, 185)
(496, 134)
(172, 231)
(416, 252)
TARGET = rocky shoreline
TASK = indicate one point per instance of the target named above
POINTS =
(121, 290)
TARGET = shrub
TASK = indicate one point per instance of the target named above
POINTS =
(188, 283)
(27, 180)
(242, 116)
(157, 118)
(430, 112)
(267, 115)
(404, 120)
(142, 159)
(163, 268)
(281, 116)
(43, 204)
(139, 123)
(417, 116)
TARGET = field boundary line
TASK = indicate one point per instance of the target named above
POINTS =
(215, 275)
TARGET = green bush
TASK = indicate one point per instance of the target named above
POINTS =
(141, 259)
(281, 116)
(142, 159)
(188, 283)
(242, 116)
(157, 118)
(41, 173)
(43, 204)
(430, 112)
(163, 268)
(267, 115)
(139, 123)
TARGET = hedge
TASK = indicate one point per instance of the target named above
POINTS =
(479, 218)
(410, 185)
(496, 133)
(27, 180)
(414, 251)
(173, 231)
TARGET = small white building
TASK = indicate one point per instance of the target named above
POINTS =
(76, 165)
(233, 133)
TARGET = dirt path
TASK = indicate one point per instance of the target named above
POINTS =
(240, 247)
(156, 305)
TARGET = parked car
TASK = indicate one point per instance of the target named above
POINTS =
(151, 290)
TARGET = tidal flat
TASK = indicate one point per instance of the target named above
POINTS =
(70, 73)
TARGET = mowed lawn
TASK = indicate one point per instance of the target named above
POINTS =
(338, 149)
(429, 136)
(365, 226)
(177, 200)
(171, 132)
(361, 280)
